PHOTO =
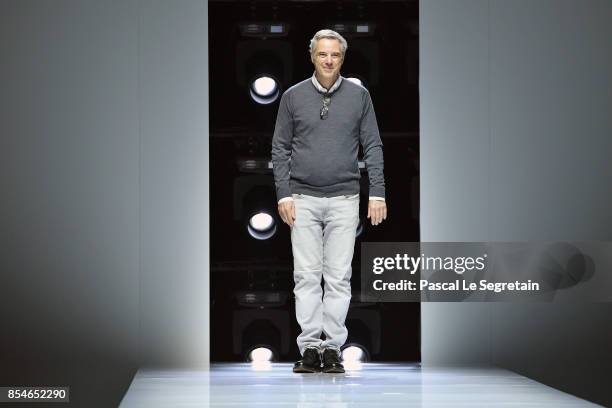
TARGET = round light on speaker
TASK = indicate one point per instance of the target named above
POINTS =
(355, 80)
(359, 229)
(261, 226)
(261, 221)
(353, 354)
(260, 355)
(264, 86)
(264, 90)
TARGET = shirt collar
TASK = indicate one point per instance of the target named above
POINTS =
(320, 88)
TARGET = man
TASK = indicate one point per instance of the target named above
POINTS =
(319, 126)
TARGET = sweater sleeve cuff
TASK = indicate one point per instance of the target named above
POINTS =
(282, 200)
(377, 191)
(283, 191)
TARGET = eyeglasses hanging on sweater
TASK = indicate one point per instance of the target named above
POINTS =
(325, 108)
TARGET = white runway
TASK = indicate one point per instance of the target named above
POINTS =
(374, 385)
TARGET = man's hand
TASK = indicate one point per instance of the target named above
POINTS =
(286, 210)
(377, 211)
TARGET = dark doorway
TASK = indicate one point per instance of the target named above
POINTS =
(251, 266)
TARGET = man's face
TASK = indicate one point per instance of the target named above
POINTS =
(327, 58)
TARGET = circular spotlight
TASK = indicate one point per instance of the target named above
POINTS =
(353, 357)
(261, 355)
(261, 226)
(355, 80)
(353, 354)
(264, 89)
(261, 221)
(359, 228)
(264, 86)
(261, 358)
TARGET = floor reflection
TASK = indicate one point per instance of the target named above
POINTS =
(265, 384)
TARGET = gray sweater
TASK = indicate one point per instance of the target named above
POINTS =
(319, 157)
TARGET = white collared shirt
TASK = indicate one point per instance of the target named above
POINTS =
(320, 88)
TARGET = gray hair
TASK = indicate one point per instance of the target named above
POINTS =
(328, 34)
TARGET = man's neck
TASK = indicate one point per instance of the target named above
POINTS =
(327, 84)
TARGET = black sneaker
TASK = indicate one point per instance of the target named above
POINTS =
(331, 361)
(310, 363)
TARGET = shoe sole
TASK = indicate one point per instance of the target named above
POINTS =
(305, 371)
(334, 371)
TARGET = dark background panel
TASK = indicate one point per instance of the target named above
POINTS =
(241, 130)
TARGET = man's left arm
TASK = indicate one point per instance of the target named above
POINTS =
(369, 138)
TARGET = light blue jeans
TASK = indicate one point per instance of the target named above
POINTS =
(323, 242)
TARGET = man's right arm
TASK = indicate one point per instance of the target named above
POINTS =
(281, 158)
(281, 148)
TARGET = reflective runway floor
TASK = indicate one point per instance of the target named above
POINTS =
(372, 385)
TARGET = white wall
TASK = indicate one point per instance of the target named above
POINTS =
(174, 185)
(69, 177)
(104, 183)
(515, 103)
(454, 162)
